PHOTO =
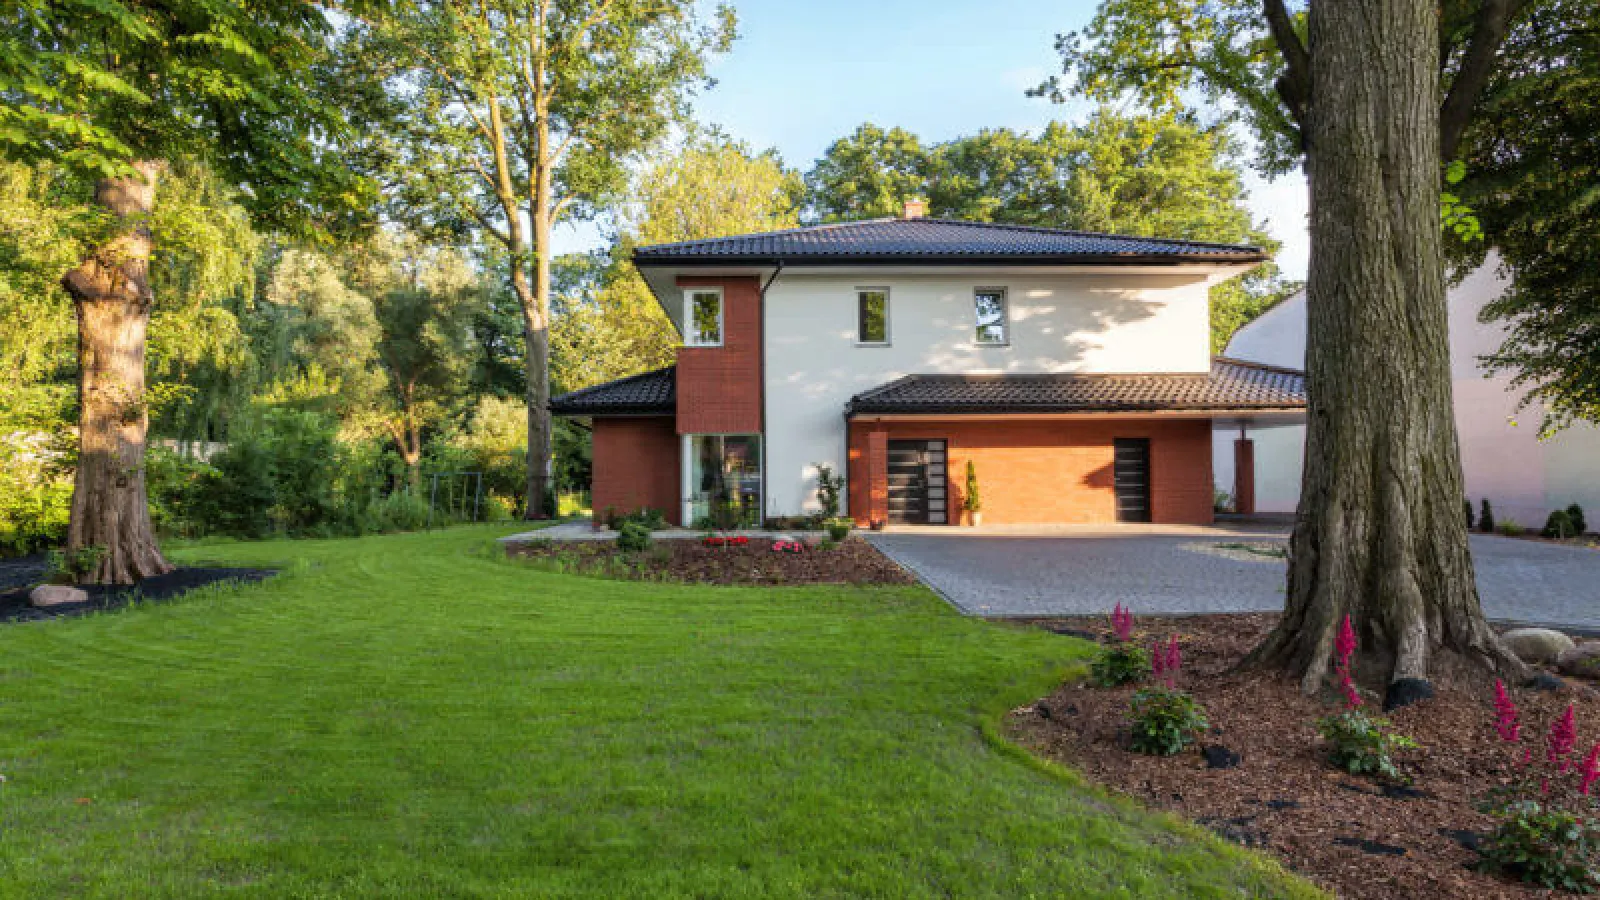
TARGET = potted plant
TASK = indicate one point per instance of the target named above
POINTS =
(973, 502)
(838, 528)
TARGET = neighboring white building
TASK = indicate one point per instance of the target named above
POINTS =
(1502, 456)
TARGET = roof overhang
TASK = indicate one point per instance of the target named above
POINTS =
(1256, 418)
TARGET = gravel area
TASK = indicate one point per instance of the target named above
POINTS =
(1172, 571)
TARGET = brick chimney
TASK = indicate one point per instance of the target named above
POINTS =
(915, 209)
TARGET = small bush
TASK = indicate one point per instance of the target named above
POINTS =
(400, 511)
(1579, 525)
(1120, 664)
(72, 565)
(1486, 518)
(1558, 526)
(973, 502)
(1165, 721)
(650, 519)
(1551, 848)
(829, 487)
(1509, 528)
(497, 509)
(838, 529)
(633, 538)
(1363, 745)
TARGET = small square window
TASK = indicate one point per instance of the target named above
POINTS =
(993, 324)
(702, 326)
(872, 316)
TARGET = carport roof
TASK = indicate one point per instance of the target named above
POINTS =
(1231, 385)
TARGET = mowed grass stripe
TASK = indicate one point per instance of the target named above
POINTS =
(412, 715)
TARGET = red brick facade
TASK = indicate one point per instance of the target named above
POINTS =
(1044, 471)
(636, 466)
(719, 388)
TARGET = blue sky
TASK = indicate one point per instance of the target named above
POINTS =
(805, 73)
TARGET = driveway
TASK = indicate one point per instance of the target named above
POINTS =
(1173, 570)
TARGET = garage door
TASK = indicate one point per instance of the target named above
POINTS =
(917, 483)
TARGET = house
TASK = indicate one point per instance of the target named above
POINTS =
(1072, 370)
(1502, 457)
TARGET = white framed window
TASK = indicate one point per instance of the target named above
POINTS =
(872, 316)
(993, 317)
(702, 317)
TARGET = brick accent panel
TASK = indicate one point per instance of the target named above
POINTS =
(636, 466)
(1047, 472)
(1244, 476)
(719, 388)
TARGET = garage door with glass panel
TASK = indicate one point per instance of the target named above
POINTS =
(917, 483)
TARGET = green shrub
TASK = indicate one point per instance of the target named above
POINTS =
(973, 502)
(176, 485)
(1165, 721)
(497, 509)
(633, 538)
(1120, 664)
(1558, 525)
(1486, 518)
(829, 487)
(1548, 847)
(35, 490)
(838, 529)
(1580, 526)
(73, 565)
(649, 519)
(1361, 744)
(1466, 507)
(400, 511)
(1509, 528)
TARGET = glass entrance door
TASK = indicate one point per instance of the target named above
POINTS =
(725, 480)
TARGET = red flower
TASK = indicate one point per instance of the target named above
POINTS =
(1563, 737)
(1122, 623)
(1505, 714)
(1590, 771)
(1344, 647)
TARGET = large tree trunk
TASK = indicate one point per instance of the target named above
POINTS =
(536, 334)
(1379, 533)
(111, 292)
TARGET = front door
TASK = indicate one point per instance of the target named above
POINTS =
(1133, 479)
(917, 483)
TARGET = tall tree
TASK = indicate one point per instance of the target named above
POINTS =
(119, 92)
(1370, 93)
(513, 116)
(1533, 181)
(869, 173)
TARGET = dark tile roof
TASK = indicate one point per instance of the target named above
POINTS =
(648, 394)
(1231, 385)
(937, 241)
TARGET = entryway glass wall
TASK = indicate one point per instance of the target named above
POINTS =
(723, 480)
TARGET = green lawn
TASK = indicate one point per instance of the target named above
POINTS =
(412, 716)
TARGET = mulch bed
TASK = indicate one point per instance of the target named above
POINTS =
(853, 561)
(14, 606)
(1356, 836)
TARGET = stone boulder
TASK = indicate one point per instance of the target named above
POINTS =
(1536, 646)
(1582, 660)
(47, 595)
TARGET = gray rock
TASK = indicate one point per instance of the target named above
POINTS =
(1582, 660)
(1536, 646)
(46, 595)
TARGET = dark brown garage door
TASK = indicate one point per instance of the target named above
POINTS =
(1133, 479)
(917, 483)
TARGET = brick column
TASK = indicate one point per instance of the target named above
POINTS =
(1244, 476)
(877, 477)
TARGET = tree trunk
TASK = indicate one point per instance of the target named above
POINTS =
(1378, 534)
(111, 293)
(536, 334)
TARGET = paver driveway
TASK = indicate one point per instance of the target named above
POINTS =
(1155, 570)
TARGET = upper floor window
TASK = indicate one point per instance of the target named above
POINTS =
(872, 315)
(702, 319)
(994, 324)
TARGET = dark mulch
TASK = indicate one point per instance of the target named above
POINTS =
(853, 561)
(14, 606)
(1260, 777)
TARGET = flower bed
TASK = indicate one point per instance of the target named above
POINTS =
(721, 560)
(1260, 775)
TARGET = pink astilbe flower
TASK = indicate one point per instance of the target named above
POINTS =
(1122, 623)
(1562, 738)
(1505, 712)
(1591, 770)
(1174, 658)
(1344, 647)
(1166, 662)
(1158, 661)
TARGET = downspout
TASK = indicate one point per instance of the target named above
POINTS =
(765, 497)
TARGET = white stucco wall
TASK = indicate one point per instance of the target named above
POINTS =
(1502, 457)
(1100, 323)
